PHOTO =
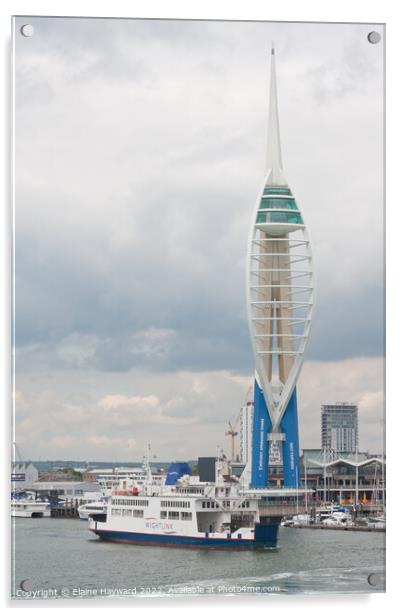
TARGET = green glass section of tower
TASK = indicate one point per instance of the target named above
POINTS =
(277, 190)
(277, 204)
(281, 217)
(280, 200)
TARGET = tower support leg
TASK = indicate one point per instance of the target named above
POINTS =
(259, 449)
(289, 425)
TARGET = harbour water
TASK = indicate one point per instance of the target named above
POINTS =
(60, 558)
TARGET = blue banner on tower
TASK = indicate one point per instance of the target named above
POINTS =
(259, 447)
(289, 425)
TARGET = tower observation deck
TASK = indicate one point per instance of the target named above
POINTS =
(279, 304)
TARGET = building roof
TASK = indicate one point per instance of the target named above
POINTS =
(347, 461)
(22, 466)
(99, 471)
(60, 485)
(115, 470)
(331, 458)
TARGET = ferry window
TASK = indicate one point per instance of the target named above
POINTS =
(173, 515)
(138, 513)
(203, 504)
(163, 515)
(208, 505)
(186, 515)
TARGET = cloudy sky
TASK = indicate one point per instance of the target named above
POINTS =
(140, 152)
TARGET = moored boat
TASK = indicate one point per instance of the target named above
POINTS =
(95, 507)
(376, 522)
(26, 506)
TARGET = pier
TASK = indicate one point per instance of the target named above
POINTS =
(67, 509)
(354, 528)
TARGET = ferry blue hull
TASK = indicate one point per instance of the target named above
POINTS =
(266, 537)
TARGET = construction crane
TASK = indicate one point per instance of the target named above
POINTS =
(232, 432)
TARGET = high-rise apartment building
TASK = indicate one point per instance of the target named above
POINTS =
(339, 427)
(246, 422)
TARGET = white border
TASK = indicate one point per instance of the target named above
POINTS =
(366, 11)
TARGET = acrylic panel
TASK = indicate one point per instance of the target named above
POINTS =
(198, 324)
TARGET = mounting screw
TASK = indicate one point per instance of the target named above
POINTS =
(27, 30)
(374, 37)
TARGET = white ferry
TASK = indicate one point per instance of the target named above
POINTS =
(185, 513)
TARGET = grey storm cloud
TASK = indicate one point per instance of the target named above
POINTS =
(139, 155)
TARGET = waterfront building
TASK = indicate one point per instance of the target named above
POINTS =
(70, 490)
(348, 478)
(92, 474)
(279, 304)
(329, 478)
(23, 473)
(339, 427)
(58, 474)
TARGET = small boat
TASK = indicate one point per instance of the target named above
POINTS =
(287, 521)
(95, 507)
(24, 505)
(301, 519)
(376, 522)
(338, 518)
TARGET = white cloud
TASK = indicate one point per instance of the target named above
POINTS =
(113, 401)
(104, 442)
(24, 426)
(64, 442)
(370, 403)
(77, 350)
(177, 418)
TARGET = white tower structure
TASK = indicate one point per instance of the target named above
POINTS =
(280, 304)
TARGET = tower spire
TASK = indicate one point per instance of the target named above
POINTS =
(274, 154)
